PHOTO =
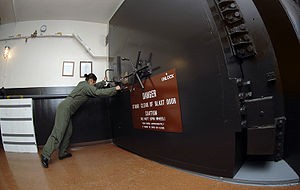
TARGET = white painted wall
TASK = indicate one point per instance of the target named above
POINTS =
(38, 63)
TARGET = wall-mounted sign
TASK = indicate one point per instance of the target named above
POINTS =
(157, 107)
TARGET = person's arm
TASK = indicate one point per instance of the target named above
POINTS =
(100, 84)
(91, 90)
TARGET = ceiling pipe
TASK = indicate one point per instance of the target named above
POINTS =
(85, 46)
(14, 10)
(75, 36)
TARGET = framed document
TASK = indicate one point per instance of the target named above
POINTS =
(85, 68)
(68, 69)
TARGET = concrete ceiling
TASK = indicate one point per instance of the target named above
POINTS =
(99, 11)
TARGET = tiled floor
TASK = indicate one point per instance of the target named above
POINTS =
(104, 166)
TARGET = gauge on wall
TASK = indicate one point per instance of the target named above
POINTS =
(43, 28)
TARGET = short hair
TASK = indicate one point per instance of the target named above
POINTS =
(90, 76)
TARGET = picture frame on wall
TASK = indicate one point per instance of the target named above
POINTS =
(68, 68)
(86, 67)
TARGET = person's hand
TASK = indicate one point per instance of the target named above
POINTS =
(124, 80)
(118, 87)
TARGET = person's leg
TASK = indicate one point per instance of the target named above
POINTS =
(65, 142)
(62, 119)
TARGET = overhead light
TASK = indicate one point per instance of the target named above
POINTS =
(6, 52)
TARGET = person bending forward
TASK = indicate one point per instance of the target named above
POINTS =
(62, 130)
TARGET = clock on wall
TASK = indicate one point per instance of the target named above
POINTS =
(43, 28)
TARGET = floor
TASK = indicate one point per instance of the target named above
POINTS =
(266, 172)
(104, 166)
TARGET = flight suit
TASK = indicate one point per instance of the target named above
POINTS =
(62, 130)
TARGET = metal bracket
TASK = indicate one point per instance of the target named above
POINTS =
(238, 35)
(271, 77)
(245, 93)
(280, 131)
